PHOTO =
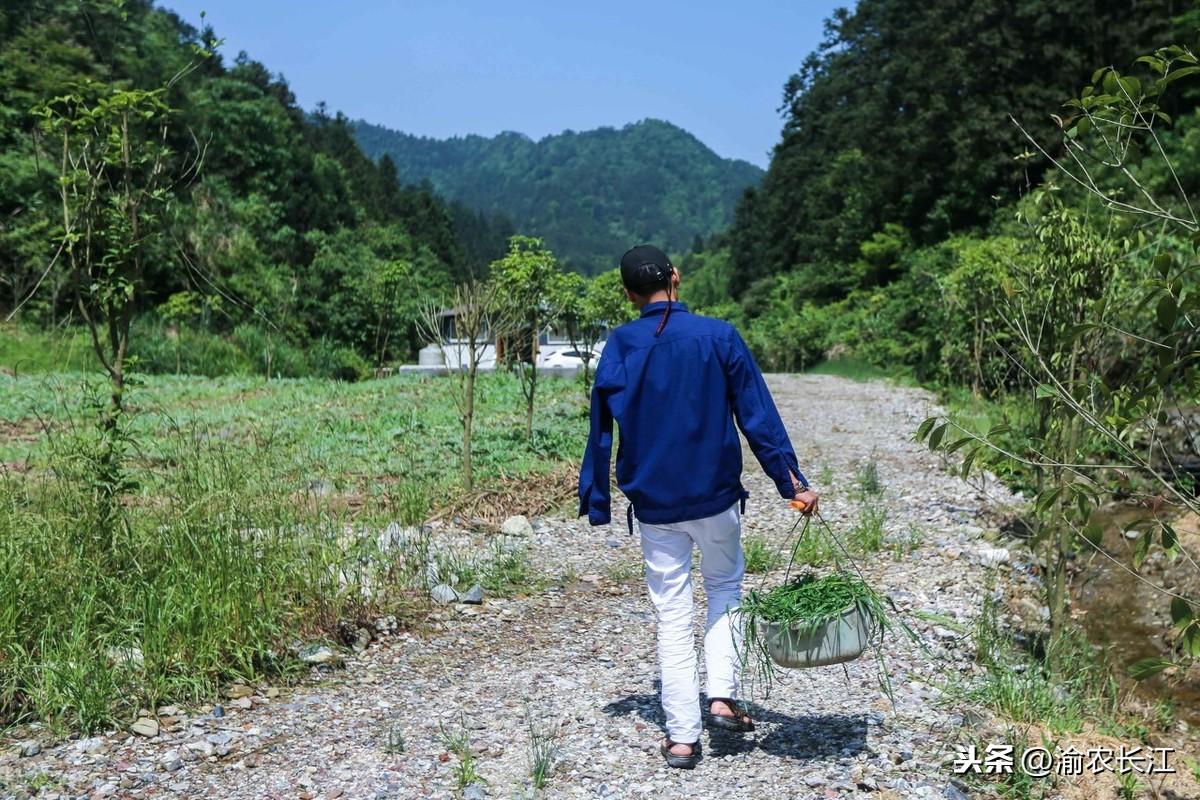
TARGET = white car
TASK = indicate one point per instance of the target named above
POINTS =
(569, 358)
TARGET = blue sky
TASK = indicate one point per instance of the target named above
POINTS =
(457, 67)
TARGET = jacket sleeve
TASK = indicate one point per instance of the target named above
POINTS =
(758, 418)
(595, 499)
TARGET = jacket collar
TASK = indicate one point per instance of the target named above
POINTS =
(651, 309)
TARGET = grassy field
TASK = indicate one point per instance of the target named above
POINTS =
(363, 438)
(248, 523)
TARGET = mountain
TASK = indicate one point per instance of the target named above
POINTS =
(591, 195)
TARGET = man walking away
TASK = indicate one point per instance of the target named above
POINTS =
(675, 383)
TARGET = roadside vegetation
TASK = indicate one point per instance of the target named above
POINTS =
(251, 519)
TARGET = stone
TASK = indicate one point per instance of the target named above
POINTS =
(993, 556)
(218, 711)
(129, 657)
(612, 541)
(199, 748)
(952, 792)
(238, 690)
(475, 791)
(392, 538)
(386, 624)
(474, 595)
(28, 749)
(93, 745)
(443, 594)
(243, 703)
(170, 761)
(320, 487)
(145, 727)
(219, 738)
(516, 526)
(318, 654)
(360, 640)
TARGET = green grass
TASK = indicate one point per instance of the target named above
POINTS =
(907, 543)
(805, 603)
(30, 351)
(543, 747)
(397, 439)
(867, 535)
(501, 571)
(807, 599)
(854, 370)
(239, 529)
(1058, 685)
(458, 741)
(760, 557)
(159, 349)
(812, 548)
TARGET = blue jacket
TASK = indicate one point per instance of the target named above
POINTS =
(675, 398)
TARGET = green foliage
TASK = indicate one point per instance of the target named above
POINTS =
(867, 150)
(1060, 686)
(544, 746)
(204, 602)
(94, 627)
(586, 193)
(531, 295)
(286, 225)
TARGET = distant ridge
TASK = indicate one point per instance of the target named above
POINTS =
(590, 194)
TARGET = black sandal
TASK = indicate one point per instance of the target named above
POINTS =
(729, 723)
(680, 762)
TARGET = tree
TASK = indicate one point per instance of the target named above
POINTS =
(391, 294)
(529, 291)
(589, 308)
(1106, 373)
(462, 351)
(865, 144)
(180, 309)
(117, 173)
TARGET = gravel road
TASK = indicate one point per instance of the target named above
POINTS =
(580, 658)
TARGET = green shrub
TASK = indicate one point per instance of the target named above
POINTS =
(332, 360)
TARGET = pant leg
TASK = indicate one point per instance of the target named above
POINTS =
(722, 567)
(668, 556)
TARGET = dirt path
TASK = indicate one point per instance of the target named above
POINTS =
(582, 657)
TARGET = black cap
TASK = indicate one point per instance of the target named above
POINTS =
(644, 266)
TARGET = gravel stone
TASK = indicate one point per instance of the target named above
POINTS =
(516, 526)
(443, 594)
(145, 727)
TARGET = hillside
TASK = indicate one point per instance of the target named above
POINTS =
(590, 194)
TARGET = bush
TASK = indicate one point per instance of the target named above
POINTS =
(330, 360)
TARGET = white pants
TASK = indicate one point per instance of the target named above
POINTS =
(667, 550)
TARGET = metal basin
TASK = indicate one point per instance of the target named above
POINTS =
(842, 638)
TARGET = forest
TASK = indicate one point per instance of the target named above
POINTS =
(588, 194)
(284, 245)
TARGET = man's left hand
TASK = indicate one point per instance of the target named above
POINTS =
(806, 502)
